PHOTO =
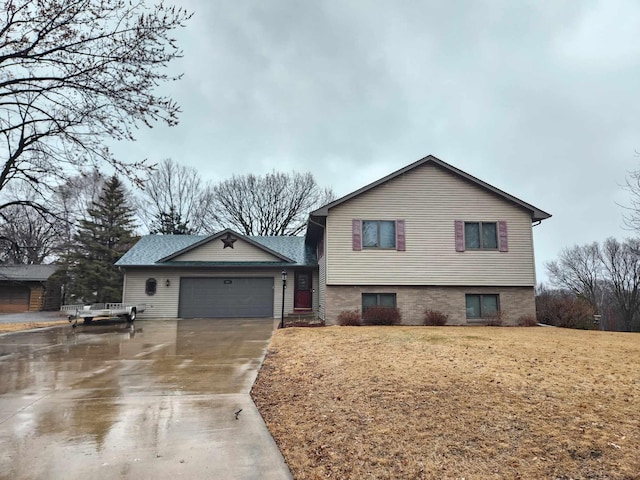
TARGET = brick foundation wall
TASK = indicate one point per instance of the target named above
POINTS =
(413, 300)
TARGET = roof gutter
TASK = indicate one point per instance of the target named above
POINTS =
(315, 223)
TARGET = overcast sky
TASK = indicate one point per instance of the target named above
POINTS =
(538, 98)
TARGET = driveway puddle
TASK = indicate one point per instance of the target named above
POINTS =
(92, 401)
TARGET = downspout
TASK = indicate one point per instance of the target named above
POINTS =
(124, 283)
(534, 224)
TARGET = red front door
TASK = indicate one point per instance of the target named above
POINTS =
(302, 291)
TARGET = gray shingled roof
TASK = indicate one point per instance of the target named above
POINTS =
(27, 273)
(150, 249)
(291, 247)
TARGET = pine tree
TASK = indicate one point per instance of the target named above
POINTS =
(102, 238)
(170, 223)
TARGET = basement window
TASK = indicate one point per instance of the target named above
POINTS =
(378, 300)
(482, 306)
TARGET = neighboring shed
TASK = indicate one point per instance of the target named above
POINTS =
(23, 287)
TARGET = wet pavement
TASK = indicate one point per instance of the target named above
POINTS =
(156, 399)
(27, 317)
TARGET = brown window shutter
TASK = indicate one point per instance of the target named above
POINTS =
(503, 241)
(459, 229)
(356, 237)
(401, 244)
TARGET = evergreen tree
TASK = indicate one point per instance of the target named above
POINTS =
(102, 238)
(170, 223)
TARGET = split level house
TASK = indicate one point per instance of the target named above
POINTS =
(428, 236)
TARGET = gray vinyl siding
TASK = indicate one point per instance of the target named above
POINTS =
(429, 199)
(164, 304)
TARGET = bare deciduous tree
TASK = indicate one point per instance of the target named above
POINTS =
(622, 264)
(75, 72)
(274, 204)
(631, 216)
(607, 276)
(71, 200)
(28, 235)
(176, 201)
(579, 270)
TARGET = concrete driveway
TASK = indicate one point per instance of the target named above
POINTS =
(154, 400)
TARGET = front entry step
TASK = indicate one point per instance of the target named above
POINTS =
(304, 318)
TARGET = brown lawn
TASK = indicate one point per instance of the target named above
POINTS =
(15, 327)
(453, 402)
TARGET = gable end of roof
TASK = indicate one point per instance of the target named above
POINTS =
(536, 213)
(215, 236)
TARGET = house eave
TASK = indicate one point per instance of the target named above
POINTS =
(226, 265)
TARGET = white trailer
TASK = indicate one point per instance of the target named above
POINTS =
(102, 310)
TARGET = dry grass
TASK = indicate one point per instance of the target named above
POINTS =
(453, 402)
(15, 327)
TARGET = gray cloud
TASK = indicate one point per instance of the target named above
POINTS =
(536, 98)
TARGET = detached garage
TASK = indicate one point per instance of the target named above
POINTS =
(225, 275)
(23, 288)
(225, 297)
(14, 299)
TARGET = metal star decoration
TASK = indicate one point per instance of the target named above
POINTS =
(228, 241)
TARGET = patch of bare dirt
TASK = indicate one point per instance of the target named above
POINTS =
(453, 402)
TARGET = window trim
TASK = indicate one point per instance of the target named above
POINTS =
(481, 247)
(378, 247)
(481, 295)
(151, 291)
(377, 295)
